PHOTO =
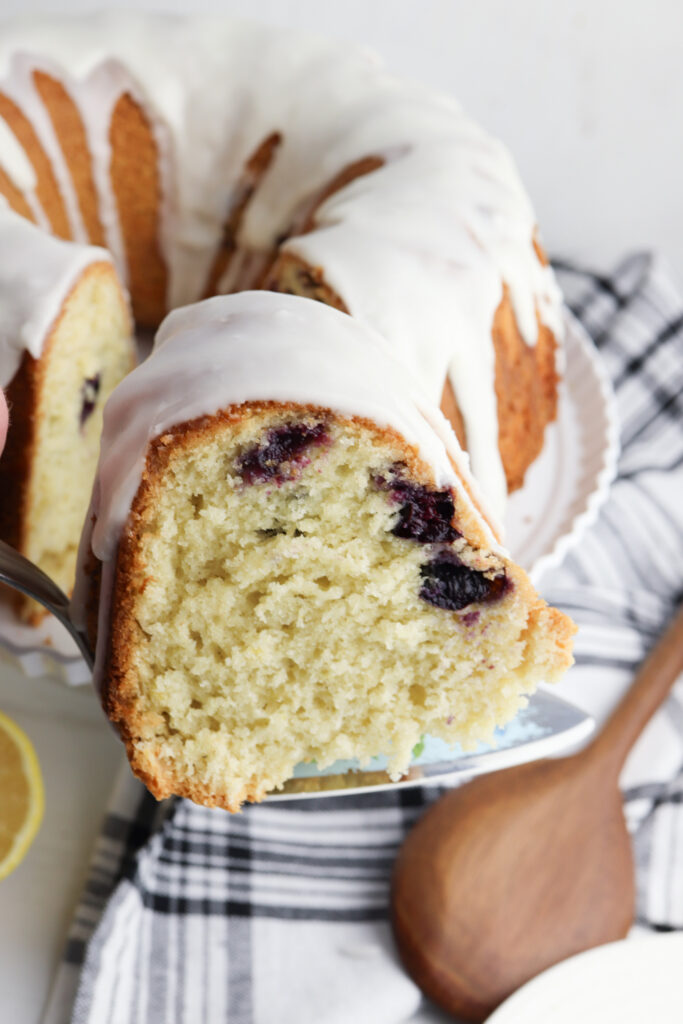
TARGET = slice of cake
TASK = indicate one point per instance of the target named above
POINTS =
(291, 561)
(65, 342)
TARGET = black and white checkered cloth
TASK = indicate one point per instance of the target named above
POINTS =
(279, 915)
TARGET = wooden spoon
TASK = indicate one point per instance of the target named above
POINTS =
(521, 868)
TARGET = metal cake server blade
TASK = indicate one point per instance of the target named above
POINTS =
(546, 727)
(20, 574)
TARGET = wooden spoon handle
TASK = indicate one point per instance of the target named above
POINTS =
(655, 678)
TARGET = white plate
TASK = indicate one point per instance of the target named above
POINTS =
(569, 481)
(562, 494)
(45, 650)
(630, 982)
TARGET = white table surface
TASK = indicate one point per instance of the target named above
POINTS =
(79, 756)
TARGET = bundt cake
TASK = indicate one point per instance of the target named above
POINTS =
(65, 342)
(212, 156)
(287, 559)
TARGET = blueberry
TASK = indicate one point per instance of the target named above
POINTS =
(449, 584)
(424, 515)
(282, 453)
(90, 389)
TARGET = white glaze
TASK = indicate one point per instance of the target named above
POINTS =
(14, 160)
(20, 88)
(37, 272)
(19, 170)
(418, 249)
(258, 346)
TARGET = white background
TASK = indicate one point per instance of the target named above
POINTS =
(588, 94)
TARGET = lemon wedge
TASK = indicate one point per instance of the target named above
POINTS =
(21, 795)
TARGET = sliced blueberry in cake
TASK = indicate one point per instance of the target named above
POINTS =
(90, 389)
(282, 454)
(448, 583)
(424, 514)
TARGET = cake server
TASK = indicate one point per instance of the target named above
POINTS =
(20, 574)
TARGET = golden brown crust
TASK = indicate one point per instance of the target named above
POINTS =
(254, 170)
(563, 629)
(269, 275)
(17, 457)
(14, 196)
(135, 180)
(24, 395)
(23, 398)
(357, 169)
(119, 690)
(451, 410)
(47, 189)
(312, 278)
(539, 250)
(526, 378)
(291, 275)
(70, 132)
(526, 391)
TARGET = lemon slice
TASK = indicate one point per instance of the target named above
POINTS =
(21, 795)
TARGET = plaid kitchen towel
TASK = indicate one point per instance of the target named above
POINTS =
(279, 915)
